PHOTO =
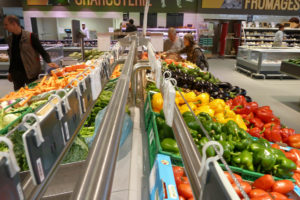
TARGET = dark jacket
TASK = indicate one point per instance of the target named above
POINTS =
(30, 56)
(131, 28)
(195, 55)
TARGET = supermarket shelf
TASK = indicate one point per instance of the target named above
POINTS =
(257, 35)
(290, 69)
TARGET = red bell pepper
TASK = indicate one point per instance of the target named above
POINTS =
(239, 100)
(285, 133)
(257, 122)
(272, 132)
(253, 106)
(294, 141)
(291, 156)
(296, 152)
(256, 132)
(229, 103)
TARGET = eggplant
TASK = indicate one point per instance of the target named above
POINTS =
(214, 94)
(243, 92)
(248, 99)
(235, 89)
(224, 85)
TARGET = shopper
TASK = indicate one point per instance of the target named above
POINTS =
(85, 31)
(130, 26)
(173, 43)
(194, 52)
(24, 54)
(279, 36)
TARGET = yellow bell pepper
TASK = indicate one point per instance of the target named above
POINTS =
(229, 113)
(220, 118)
(205, 109)
(157, 102)
(203, 98)
(184, 108)
(190, 97)
(180, 99)
(239, 120)
(218, 105)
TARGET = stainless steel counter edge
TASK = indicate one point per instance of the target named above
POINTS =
(96, 182)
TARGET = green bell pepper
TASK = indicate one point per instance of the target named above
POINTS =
(194, 133)
(169, 145)
(277, 153)
(236, 159)
(283, 173)
(228, 148)
(243, 144)
(208, 125)
(209, 151)
(194, 125)
(264, 159)
(286, 164)
(255, 147)
(204, 116)
(263, 142)
(243, 134)
(217, 127)
(231, 128)
(247, 160)
(164, 131)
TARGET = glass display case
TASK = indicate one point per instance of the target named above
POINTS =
(4, 59)
(264, 61)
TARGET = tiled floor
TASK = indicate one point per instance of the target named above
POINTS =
(282, 95)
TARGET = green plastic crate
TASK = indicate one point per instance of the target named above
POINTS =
(148, 110)
(176, 159)
(249, 175)
(152, 147)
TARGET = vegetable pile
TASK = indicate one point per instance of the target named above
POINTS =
(262, 123)
(263, 188)
(195, 79)
(182, 183)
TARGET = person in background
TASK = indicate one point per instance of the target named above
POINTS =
(279, 36)
(173, 43)
(130, 26)
(85, 31)
(24, 54)
(193, 52)
(118, 32)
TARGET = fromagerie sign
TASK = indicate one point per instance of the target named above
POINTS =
(278, 5)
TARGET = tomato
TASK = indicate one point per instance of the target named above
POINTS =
(257, 193)
(238, 177)
(185, 190)
(181, 198)
(277, 195)
(264, 197)
(185, 180)
(191, 198)
(178, 171)
(246, 187)
(177, 180)
(275, 146)
(228, 177)
(265, 182)
(283, 186)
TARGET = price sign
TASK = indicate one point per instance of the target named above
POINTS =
(169, 102)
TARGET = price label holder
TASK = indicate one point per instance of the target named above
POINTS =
(71, 117)
(157, 73)
(79, 97)
(95, 83)
(169, 100)
(10, 182)
(86, 90)
(105, 67)
(43, 142)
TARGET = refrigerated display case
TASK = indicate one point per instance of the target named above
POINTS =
(264, 62)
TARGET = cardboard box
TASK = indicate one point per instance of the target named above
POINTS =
(162, 184)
